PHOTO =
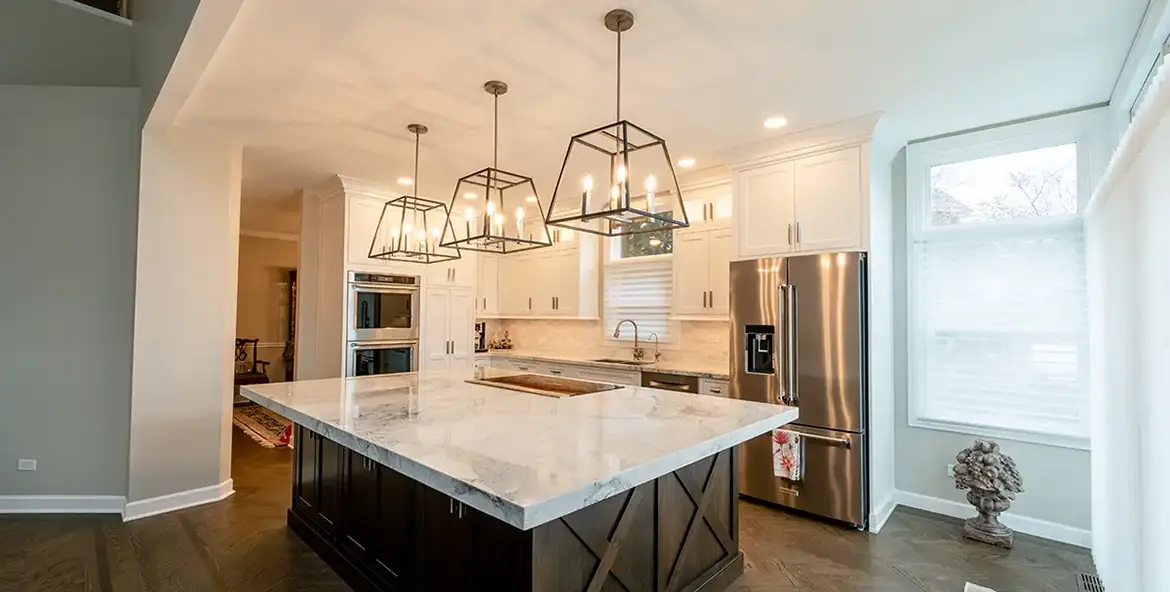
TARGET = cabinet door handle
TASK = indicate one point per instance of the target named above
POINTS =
(529, 304)
(450, 505)
(711, 299)
(790, 233)
(798, 233)
(554, 372)
(461, 510)
(704, 299)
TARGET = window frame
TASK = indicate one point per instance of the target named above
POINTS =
(1075, 128)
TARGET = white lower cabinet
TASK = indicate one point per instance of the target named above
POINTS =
(712, 387)
(623, 377)
(448, 327)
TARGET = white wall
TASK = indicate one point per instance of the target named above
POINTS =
(68, 185)
(1056, 500)
(174, 41)
(184, 313)
(1128, 236)
(49, 43)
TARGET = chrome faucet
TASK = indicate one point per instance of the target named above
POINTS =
(639, 353)
(657, 352)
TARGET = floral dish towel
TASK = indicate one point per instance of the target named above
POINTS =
(786, 450)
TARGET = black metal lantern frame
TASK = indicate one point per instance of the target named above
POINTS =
(410, 227)
(622, 210)
(490, 223)
(630, 161)
(496, 205)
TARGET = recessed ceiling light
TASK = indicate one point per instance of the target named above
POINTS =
(469, 196)
(405, 181)
(531, 198)
(686, 163)
(775, 122)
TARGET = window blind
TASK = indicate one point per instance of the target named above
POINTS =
(1001, 329)
(640, 289)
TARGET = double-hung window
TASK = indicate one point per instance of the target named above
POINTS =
(997, 319)
(639, 284)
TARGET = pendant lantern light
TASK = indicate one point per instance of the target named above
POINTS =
(410, 226)
(617, 179)
(493, 210)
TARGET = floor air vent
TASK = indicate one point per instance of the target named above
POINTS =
(1089, 583)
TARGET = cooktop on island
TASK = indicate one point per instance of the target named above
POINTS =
(548, 386)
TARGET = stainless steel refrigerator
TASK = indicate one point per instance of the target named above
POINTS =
(799, 338)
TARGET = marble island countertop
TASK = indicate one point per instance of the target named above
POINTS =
(523, 458)
(701, 370)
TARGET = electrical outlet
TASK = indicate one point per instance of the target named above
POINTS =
(951, 470)
(26, 464)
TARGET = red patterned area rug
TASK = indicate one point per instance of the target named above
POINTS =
(265, 427)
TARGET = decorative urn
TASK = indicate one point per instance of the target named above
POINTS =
(992, 482)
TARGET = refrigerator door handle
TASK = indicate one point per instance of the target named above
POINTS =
(785, 345)
(847, 443)
(792, 360)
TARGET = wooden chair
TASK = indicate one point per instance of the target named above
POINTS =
(249, 369)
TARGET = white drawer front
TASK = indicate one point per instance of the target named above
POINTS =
(715, 388)
(606, 375)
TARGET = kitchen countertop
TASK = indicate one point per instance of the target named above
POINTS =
(523, 458)
(715, 372)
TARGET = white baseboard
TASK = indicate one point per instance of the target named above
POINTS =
(1033, 526)
(61, 504)
(881, 513)
(177, 501)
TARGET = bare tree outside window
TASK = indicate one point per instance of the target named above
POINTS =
(1031, 184)
(644, 244)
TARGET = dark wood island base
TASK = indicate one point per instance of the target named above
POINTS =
(381, 530)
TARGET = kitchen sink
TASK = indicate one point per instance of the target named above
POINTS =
(626, 362)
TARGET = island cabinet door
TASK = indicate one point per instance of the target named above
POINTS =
(445, 546)
(396, 527)
(305, 472)
(330, 477)
(361, 508)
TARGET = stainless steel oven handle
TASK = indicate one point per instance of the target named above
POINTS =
(384, 288)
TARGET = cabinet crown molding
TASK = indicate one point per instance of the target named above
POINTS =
(343, 185)
(850, 132)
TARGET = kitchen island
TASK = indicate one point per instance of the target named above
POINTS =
(428, 482)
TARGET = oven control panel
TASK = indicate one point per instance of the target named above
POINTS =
(384, 278)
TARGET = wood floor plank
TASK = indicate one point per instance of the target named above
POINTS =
(243, 545)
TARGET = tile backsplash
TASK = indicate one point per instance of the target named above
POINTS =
(704, 342)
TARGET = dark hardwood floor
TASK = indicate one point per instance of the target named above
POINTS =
(243, 544)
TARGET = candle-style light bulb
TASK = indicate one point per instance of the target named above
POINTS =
(614, 193)
(651, 185)
(520, 222)
(468, 214)
(394, 238)
(422, 240)
(499, 218)
(587, 184)
(621, 173)
(438, 232)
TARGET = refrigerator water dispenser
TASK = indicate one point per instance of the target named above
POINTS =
(761, 353)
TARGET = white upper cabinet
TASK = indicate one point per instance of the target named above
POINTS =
(691, 277)
(708, 203)
(719, 248)
(829, 203)
(363, 222)
(810, 204)
(487, 293)
(702, 256)
(764, 208)
(456, 272)
(551, 282)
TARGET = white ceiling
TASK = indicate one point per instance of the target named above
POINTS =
(314, 88)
